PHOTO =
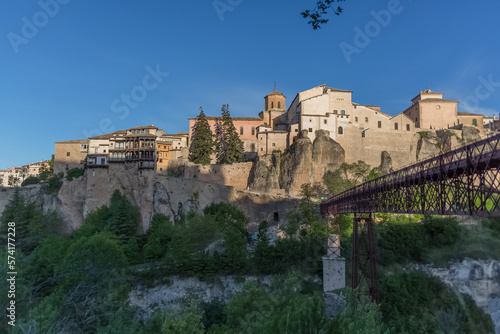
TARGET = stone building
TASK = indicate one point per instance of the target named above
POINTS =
(273, 134)
(70, 154)
(430, 111)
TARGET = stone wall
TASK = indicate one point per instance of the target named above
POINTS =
(233, 175)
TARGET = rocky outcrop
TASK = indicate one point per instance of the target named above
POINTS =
(327, 155)
(173, 295)
(264, 176)
(385, 166)
(307, 162)
(433, 143)
(296, 167)
(479, 279)
(470, 134)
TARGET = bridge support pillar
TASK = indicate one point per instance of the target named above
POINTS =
(333, 266)
(364, 262)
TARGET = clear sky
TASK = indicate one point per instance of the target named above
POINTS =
(70, 69)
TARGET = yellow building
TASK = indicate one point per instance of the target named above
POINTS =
(163, 149)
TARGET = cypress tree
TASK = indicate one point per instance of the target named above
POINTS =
(202, 141)
(231, 147)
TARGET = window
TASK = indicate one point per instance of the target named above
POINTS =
(159, 154)
(355, 119)
(252, 147)
(161, 169)
(379, 124)
(341, 130)
(325, 121)
(310, 130)
(279, 105)
(407, 127)
(335, 111)
(474, 122)
(147, 131)
(133, 132)
(395, 126)
(310, 120)
(253, 130)
(164, 147)
(342, 112)
(68, 154)
(296, 130)
(161, 160)
(272, 105)
(363, 134)
(96, 150)
(104, 151)
(241, 130)
(262, 149)
(274, 144)
(366, 119)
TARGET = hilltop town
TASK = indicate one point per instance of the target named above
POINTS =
(362, 131)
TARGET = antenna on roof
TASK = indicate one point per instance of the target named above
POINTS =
(275, 86)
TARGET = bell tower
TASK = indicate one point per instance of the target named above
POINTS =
(275, 101)
(274, 107)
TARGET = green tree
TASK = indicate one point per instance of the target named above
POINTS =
(30, 180)
(124, 217)
(230, 147)
(158, 236)
(47, 172)
(202, 142)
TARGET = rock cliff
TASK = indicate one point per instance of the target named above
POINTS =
(479, 279)
(151, 193)
(304, 162)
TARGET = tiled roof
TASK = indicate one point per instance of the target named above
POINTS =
(73, 141)
(461, 113)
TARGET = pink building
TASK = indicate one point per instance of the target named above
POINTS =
(246, 127)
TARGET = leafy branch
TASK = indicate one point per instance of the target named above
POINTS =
(322, 8)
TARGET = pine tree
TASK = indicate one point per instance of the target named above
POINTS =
(231, 147)
(202, 141)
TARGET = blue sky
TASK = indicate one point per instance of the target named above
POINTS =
(66, 70)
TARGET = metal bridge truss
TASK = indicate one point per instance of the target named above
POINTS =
(464, 181)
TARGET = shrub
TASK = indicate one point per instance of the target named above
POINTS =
(54, 184)
(74, 173)
(441, 231)
(30, 180)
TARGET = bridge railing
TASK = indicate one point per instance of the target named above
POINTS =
(461, 181)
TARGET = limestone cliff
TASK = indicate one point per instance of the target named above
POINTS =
(304, 162)
(432, 143)
(264, 176)
(151, 193)
(307, 162)
(478, 278)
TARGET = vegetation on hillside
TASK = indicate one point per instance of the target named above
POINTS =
(349, 176)
(80, 283)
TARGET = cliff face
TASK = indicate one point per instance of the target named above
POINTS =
(479, 279)
(305, 162)
(440, 141)
(151, 193)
